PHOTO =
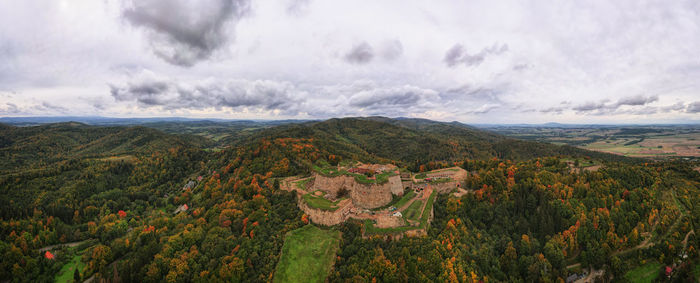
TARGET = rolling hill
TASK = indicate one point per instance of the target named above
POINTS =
(415, 141)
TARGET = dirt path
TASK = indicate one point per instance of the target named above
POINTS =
(70, 245)
(685, 240)
(287, 184)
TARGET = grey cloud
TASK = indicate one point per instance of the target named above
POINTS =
(693, 107)
(471, 93)
(148, 90)
(403, 96)
(360, 54)
(458, 55)
(184, 32)
(170, 94)
(483, 109)
(603, 107)
(556, 110)
(392, 50)
(297, 7)
(46, 106)
(637, 100)
(521, 67)
(10, 109)
(675, 107)
(591, 106)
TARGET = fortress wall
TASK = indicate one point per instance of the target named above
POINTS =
(446, 187)
(395, 185)
(370, 196)
(362, 195)
(324, 217)
(332, 185)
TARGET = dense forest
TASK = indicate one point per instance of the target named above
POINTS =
(135, 204)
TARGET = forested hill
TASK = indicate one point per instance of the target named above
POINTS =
(47, 144)
(416, 141)
(158, 207)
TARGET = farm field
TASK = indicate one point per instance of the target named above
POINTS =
(657, 142)
(307, 255)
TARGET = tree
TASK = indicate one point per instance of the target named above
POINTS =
(76, 275)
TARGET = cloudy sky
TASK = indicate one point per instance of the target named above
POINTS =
(476, 62)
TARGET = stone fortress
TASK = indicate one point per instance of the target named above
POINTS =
(367, 192)
(371, 195)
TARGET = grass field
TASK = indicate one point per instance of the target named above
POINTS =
(399, 203)
(321, 203)
(66, 273)
(307, 255)
(406, 197)
(302, 184)
(645, 273)
(413, 211)
(371, 229)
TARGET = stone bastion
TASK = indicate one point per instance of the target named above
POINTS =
(362, 195)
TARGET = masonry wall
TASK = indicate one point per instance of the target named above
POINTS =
(362, 195)
(446, 187)
(325, 217)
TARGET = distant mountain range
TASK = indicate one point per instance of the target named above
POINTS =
(99, 120)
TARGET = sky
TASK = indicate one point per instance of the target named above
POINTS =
(623, 61)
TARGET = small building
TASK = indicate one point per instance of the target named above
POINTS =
(397, 214)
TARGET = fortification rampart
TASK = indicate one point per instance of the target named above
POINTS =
(362, 195)
(326, 217)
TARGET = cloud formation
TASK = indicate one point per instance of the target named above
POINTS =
(458, 55)
(184, 32)
(693, 107)
(603, 107)
(361, 53)
(392, 50)
(148, 90)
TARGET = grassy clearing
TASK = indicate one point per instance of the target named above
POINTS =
(302, 184)
(327, 170)
(398, 202)
(413, 211)
(66, 273)
(307, 255)
(406, 198)
(644, 273)
(378, 178)
(370, 229)
(319, 202)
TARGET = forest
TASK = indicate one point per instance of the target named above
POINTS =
(136, 204)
